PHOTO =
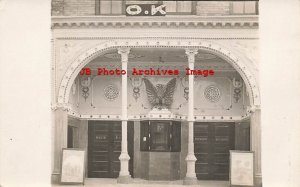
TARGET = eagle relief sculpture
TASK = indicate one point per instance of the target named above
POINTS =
(160, 96)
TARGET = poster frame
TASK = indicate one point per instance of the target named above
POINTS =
(62, 161)
(230, 167)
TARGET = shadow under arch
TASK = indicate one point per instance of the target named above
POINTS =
(237, 60)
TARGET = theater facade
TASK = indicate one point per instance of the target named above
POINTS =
(155, 97)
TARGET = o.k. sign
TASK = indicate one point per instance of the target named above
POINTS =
(145, 10)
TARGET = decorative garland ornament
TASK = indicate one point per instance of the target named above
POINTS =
(237, 84)
(136, 83)
(185, 85)
(85, 83)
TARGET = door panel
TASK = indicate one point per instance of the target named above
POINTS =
(242, 131)
(104, 149)
(130, 138)
(212, 143)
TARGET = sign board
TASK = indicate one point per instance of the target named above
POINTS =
(241, 168)
(72, 169)
(145, 10)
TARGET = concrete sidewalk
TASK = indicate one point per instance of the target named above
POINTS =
(92, 182)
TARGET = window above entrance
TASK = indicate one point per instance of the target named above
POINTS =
(115, 7)
(118, 7)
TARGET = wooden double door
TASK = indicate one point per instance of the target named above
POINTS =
(212, 143)
(104, 148)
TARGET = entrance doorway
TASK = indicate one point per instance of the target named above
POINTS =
(212, 143)
(160, 150)
(104, 149)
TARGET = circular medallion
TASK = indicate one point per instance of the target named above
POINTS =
(111, 92)
(212, 93)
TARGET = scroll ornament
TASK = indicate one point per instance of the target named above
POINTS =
(237, 85)
(85, 83)
(136, 83)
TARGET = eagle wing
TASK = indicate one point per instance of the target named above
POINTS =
(169, 92)
(151, 92)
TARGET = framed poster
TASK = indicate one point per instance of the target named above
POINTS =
(241, 168)
(72, 169)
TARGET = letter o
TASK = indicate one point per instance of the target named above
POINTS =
(133, 9)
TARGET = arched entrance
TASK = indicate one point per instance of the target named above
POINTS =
(240, 63)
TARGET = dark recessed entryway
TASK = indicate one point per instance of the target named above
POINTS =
(212, 144)
(104, 148)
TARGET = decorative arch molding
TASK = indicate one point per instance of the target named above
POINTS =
(238, 61)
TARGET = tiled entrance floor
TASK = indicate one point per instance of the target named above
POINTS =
(92, 182)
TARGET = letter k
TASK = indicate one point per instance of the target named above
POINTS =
(154, 9)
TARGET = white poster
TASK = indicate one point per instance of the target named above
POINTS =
(72, 166)
(241, 168)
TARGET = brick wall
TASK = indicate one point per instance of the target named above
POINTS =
(73, 7)
(57, 7)
(206, 8)
(203, 8)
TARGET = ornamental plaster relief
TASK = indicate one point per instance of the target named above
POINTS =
(218, 47)
(168, 22)
(222, 27)
(74, 96)
(66, 53)
(249, 48)
(147, 33)
(213, 94)
(98, 103)
(247, 52)
(104, 96)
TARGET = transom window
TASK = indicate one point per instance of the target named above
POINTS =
(245, 7)
(117, 7)
(180, 7)
(110, 7)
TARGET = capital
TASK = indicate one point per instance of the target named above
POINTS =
(124, 50)
(61, 106)
(191, 52)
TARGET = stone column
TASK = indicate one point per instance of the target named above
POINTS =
(60, 133)
(190, 177)
(124, 176)
(256, 146)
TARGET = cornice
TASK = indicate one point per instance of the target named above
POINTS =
(160, 116)
(86, 22)
(152, 38)
(116, 117)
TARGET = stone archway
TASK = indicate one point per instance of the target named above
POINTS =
(238, 61)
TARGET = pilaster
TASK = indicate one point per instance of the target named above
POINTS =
(256, 146)
(60, 140)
